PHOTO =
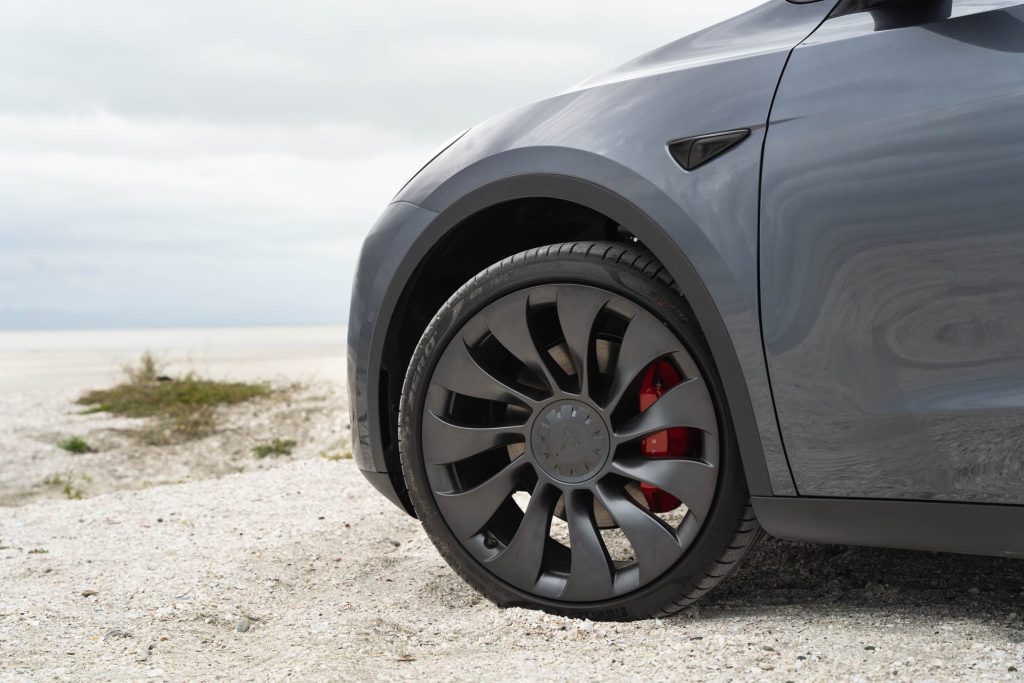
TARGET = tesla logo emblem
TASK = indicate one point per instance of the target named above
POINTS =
(570, 440)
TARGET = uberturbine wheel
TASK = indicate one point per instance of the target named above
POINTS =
(565, 439)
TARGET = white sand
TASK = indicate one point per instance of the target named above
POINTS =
(149, 579)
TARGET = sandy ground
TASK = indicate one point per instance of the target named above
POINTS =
(43, 373)
(293, 567)
(32, 467)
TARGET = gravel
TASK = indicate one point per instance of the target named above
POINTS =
(298, 568)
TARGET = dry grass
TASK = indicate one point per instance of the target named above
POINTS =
(70, 484)
(183, 409)
(334, 456)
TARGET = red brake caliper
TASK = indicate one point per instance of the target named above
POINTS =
(668, 443)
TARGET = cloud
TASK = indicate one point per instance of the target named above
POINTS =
(108, 220)
(196, 162)
(104, 134)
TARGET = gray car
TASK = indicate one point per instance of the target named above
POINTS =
(769, 276)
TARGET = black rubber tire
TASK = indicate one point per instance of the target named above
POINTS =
(731, 528)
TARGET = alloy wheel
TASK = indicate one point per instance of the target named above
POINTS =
(557, 422)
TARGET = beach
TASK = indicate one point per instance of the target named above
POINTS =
(200, 560)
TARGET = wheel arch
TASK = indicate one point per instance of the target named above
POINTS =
(459, 215)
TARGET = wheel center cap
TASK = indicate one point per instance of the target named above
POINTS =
(570, 441)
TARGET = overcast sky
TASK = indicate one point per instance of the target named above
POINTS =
(218, 162)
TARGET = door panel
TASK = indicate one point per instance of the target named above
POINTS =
(892, 256)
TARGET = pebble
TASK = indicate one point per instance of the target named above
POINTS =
(116, 633)
(243, 625)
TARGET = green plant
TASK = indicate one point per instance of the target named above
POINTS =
(275, 448)
(77, 445)
(182, 409)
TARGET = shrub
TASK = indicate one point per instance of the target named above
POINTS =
(183, 408)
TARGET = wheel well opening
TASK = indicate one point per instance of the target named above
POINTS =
(479, 241)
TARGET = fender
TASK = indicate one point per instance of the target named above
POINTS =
(648, 213)
(603, 145)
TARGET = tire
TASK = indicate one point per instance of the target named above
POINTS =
(501, 438)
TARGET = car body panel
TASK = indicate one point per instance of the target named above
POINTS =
(938, 526)
(603, 145)
(893, 256)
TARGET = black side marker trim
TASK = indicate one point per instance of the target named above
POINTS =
(691, 153)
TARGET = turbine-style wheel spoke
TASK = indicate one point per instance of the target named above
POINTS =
(590, 572)
(520, 562)
(646, 340)
(577, 440)
(691, 481)
(459, 372)
(578, 308)
(654, 543)
(687, 404)
(445, 442)
(508, 321)
(468, 511)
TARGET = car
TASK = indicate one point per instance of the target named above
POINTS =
(766, 278)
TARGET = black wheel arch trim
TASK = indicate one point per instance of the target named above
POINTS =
(461, 204)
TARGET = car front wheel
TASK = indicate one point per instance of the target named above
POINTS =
(565, 438)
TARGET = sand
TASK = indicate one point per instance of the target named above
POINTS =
(200, 561)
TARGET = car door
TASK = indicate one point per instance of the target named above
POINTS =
(892, 254)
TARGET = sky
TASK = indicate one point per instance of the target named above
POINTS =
(218, 162)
